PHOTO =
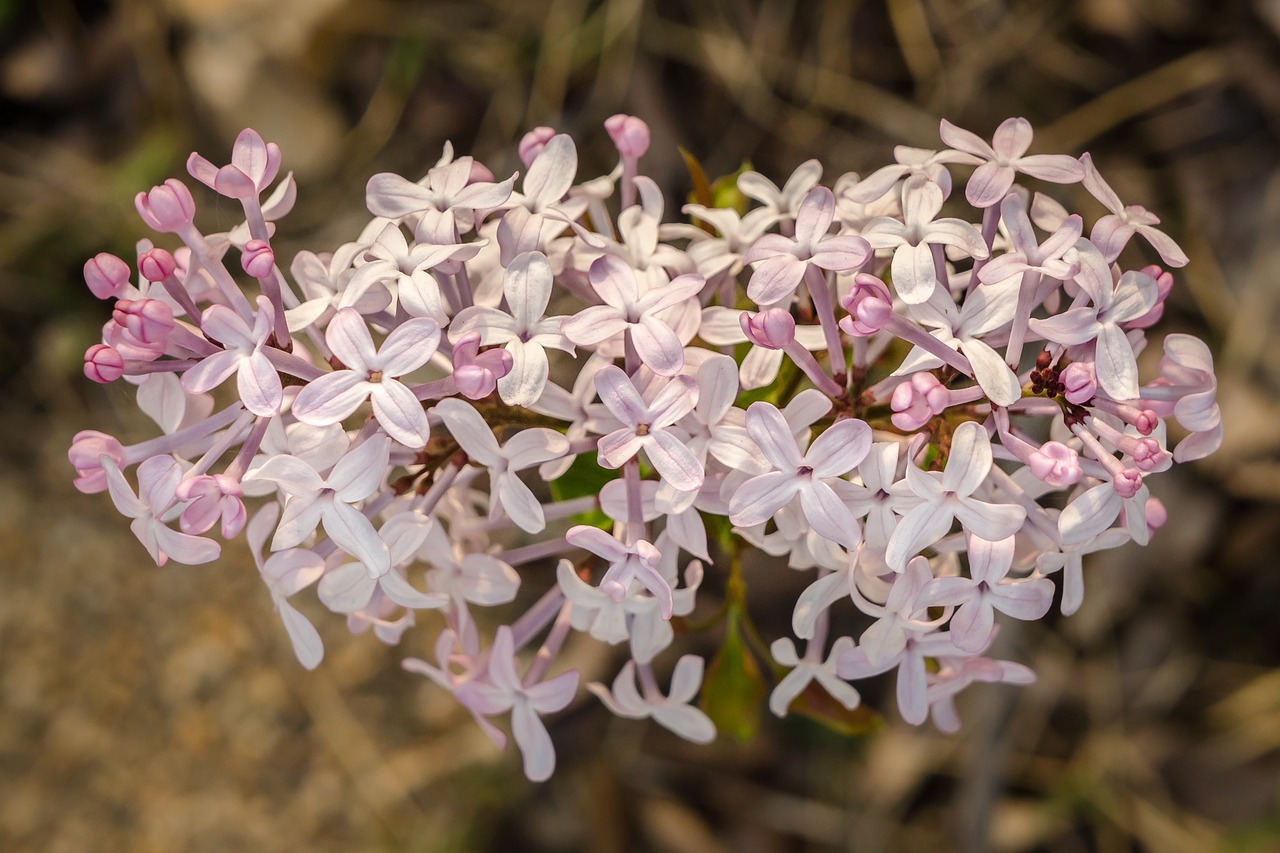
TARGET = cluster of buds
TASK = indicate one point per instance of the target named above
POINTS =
(496, 375)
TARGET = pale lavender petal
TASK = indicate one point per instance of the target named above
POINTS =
(532, 446)
(259, 386)
(300, 517)
(1169, 251)
(913, 689)
(184, 548)
(534, 742)
(347, 589)
(841, 253)
(596, 541)
(969, 459)
(519, 503)
(355, 534)
(914, 275)
(1116, 365)
(717, 388)
(756, 500)
(966, 141)
(331, 397)
(1026, 599)
(360, 472)
(619, 396)
(484, 195)
(990, 521)
(592, 325)
(552, 172)
(998, 382)
(1071, 327)
(349, 339)
(972, 626)
(1111, 234)
(1098, 187)
(618, 447)
(681, 289)
(775, 279)
(658, 346)
(990, 560)
(828, 515)
(788, 689)
(1012, 138)
(674, 461)
(816, 599)
(409, 346)
(527, 286)
(400, 414)
(469, 429)
(814, 216)
(211, 372)
(304, 637)
(523, 384)
(1056, 168)
(918, 529)
(676, 399)
(988, 184)
(772, 434)
(839, 449)
(227, 327)
(615, 281)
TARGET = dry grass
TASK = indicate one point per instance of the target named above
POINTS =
(148, 709)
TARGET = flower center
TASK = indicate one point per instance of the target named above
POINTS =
(375, 375)
(642, 429)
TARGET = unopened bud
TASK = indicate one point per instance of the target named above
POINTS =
(156, 264)
(629, 134)
(257, 258)
(103, 364)
(772, 328)
(106, 275)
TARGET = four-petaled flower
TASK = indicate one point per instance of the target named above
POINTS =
(372, 374)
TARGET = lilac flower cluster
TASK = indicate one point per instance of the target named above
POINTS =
(892, 400)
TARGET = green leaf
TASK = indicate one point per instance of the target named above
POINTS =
(733, 690)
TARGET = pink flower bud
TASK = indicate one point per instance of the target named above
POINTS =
(533, 142)
(106, 275)
(103, 364)
(1127, 482)
(1081, 382)
(156, 264)
(1055, 464)
(168, 207)
(629, 134)
(869, 305)
(477, 373)
(85, 455)
(147, 320)
(258, 259)
(772, 328)
(1148, 454)
(916, 401)
(1146, 421)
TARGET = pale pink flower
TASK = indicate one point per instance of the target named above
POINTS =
(986, 590)
(257, 381)
(526, 448)
(947, 496)
(628, 310)
(1004, 158)
(1111, 233)
(780, 262)
(807, 474)
(372, 374)
(254, 165)
(503, 690)
(648, 426)
(674, 711)
(803, 671)
(158, 479)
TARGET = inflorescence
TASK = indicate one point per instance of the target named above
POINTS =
(887, 399)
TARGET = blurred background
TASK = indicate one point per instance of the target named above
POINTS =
(149, 709)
